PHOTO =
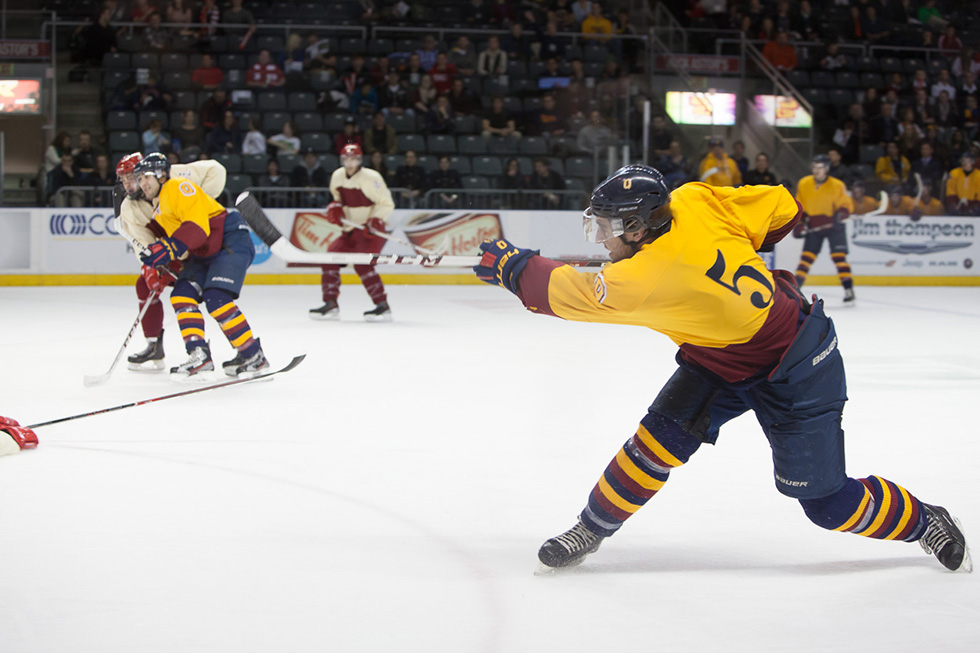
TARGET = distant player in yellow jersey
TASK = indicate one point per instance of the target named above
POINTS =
(863, 203)
(686, 264)
(963, 187)
(826, 205)
(217, 250)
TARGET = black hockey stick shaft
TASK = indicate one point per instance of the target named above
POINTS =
(293, 363)
(102, 378)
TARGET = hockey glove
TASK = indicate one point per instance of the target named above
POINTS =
(376, 225)
(335, 213)
(163, 252)
(155, 281)
(840, 215)
(502, 263)
(802, 227)
(22, 437)
(915, 215)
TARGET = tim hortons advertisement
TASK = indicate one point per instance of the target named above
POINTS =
(894, 245)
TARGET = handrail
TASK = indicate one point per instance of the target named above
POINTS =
(738, 40)
(263, 27)
(664, 20)
(441, 31)
(929, 52)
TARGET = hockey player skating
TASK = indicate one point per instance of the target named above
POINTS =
(219, 250)
(826, 205)
(686, 264)
(134, 213)
(361, 197)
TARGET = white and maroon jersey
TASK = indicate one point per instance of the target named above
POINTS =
(364, 195)
(267, 75)
(135, 215)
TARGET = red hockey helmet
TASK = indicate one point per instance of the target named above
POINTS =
(351, 149)
(128, 163)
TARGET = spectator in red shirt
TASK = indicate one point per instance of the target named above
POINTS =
(264, 73)
(442, 74)
(780, 53)
(349, 136)
(949, 42)
(207, 76)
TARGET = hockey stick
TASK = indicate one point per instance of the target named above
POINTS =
(395, 239)
(256, 218)
(99, 379)
(882, 207)
(292, 364)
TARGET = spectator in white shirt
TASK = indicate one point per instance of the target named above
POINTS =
(943, 84)
(254, 142)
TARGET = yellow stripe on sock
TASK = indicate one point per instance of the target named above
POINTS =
(240, 340)
(232, 323)
(642, 479)
(857, 513)
(615, 499)
(656, 447)
(218, 311)
(191, 331)
(886, 503)
(906, 515)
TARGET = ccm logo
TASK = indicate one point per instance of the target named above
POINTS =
(79, 224)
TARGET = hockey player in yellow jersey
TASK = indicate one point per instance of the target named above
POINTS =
(686, 264)
(863, 203)
(963, 187)
(826, 205)
(717, 168)
(217, 249)
(133, 215)
(926, 204)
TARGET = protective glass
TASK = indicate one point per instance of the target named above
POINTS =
(599, 230)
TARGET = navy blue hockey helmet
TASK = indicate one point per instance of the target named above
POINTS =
(155, 164)
(625, 203)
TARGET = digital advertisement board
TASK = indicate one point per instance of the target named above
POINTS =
(20, 96)
(782, 111)
(687, 108)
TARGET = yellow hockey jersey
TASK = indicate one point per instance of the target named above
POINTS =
(866, 204)
(719, 172)
(932, 207)
(188, 214)
(962, 186)
(702, 283)
(135, 215)
(823, 200)
(904, 206)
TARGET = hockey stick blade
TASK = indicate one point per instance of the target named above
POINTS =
(256, 218)
(91, 380)
(882, 206)
(291, 365)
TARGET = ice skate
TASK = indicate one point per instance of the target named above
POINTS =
(243, 367)
(199, 361)
(570, 548)
(329, 311)
(151, 358)
(380, 313)
(944, 539)
(849, 299)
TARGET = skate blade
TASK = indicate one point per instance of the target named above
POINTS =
(148, 366)
(332, 316)
(248, 375)
(966, 566)
(385, 317)
(201, 378)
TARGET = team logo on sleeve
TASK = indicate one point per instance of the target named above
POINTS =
(186, 188)
(599, 287)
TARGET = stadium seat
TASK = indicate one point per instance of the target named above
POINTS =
(872, 80)
(124, 141)
(113, 78)
(890, 65)
(460, 164)
(273, 121)
(334, 122)
(301, 101)
(502, 146)
(429, 163)
(822, 79)
(307, 122)
(441, 144)
(254, 164)
(271, 101)
(184, 100)
(177, 81)
(862, 171)
(798, 78)
(329, 161)
(579, 166)
(115, 61)
(352, 46)
(486, 165)
(472, 144)
(402, 123)
(232, 162)
(319, 141)
(380, 47)
(595, 54)
(173, 61)
(840, 97)
(287, 162)
(815, 96)
(236, 183)
(912, 64)
(847, 79)
(869, 154)
(145, 60)
(129, 43)
(231, 60)
(270, 42)
(393, 161)
(533, 146)
(866, 64)
(408, 142)
(120, 120)
(476, 182)
(466, 124)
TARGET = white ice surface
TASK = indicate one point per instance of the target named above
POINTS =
(391, 493)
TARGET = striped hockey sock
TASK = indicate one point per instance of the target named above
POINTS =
(235, 327)
(189, 318)
(637, 473)
(843, 269)
(803, 269)
(870, 507)
(372, 283)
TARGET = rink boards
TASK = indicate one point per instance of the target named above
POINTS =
(79, 246)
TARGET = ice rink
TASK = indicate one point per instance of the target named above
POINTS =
(390, 494)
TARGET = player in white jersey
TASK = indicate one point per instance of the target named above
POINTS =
(362, 203)
(133, 214)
